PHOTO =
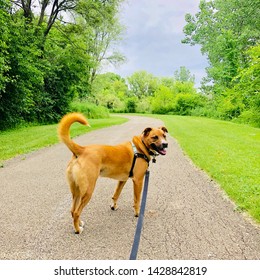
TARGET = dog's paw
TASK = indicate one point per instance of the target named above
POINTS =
(81, 224)
(113, 207)
(80, 230)
(81, 227)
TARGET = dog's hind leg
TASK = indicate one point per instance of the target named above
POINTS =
(78, 225)
(84, 194)
(81, 203)
(116, 195)
(76, 201)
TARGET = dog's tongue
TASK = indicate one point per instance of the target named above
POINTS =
(163, 152)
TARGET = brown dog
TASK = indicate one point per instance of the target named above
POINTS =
(130, 159)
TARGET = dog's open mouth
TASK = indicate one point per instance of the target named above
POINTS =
(161, 149)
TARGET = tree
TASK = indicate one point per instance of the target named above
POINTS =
(225, 30)
(44, 61)
(183, 81)
(228, 32)
(249, 79)
(109, 90)
(99, 26)
(184, 75)
(56, 8)
(4, 37)
(66, 72)
(102, 31)
(21, 72)
(142, 84)
(247, 88)
(163, 100)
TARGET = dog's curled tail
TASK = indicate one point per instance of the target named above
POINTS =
(64, 131)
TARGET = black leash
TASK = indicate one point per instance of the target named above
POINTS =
(139, 226)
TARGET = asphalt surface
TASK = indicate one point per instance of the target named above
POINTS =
(187, 215)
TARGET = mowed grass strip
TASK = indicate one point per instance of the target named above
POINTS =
(228, 152)
(27, 139)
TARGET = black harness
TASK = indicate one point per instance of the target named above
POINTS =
(137, 155)
(140, 155)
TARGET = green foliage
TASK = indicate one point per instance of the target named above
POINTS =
(184, 87)
(23, 78)
(230, 105)
(146, 93)
(248, 87)
(251, 117)
(185, 103)
(144, 105)
(163, 100)
(109, 90)
(176, 96)
(100, 29)
(4, 35)
(242, 101)
(184, 75)
(131, 105)
(209, 110)
(89, 110)
(228, 32)
(46, 63)
(142, 84)
(224, 30)
(65, 68)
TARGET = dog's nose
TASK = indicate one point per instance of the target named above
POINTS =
(165, 145)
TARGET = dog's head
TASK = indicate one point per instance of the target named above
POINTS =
(155, 139)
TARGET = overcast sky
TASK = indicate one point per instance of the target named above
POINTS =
(152, 41)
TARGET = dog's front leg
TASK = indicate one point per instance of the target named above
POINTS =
(117, 193)
(138, 185)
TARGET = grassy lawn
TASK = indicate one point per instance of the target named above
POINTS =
(27, 139)
(228, 152)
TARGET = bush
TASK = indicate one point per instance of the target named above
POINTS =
(230, 104)
(131, 105)
(110, 101)
(163, 100)
(251, 117)
(144, 105)
(90, 110)
(208, 110)
(186, 102)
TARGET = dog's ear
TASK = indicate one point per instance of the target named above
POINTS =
(147, 131)
(163, 128)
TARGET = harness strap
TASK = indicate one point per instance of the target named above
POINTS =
(137, 155)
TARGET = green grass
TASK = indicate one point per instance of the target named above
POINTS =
(27, 139)
(228, 152)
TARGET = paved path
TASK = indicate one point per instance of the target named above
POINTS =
(187, 216)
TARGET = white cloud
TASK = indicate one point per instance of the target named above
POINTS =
(153, 38)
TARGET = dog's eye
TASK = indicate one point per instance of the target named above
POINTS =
(155, 137)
